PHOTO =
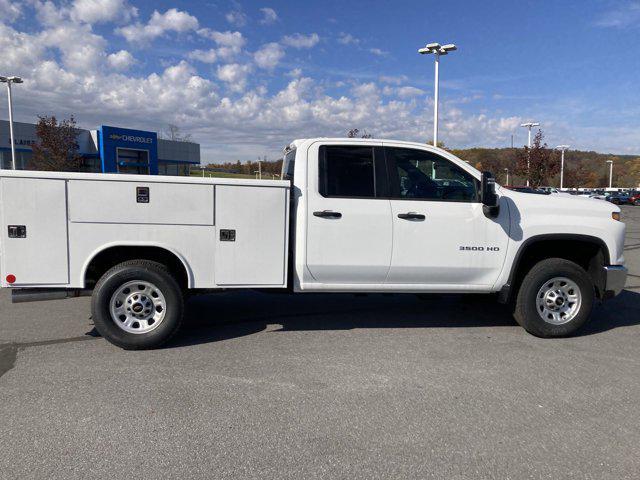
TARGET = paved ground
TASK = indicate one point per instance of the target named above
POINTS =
(269, 386)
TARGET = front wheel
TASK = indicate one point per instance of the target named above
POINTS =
(555, 299)
(137, 305)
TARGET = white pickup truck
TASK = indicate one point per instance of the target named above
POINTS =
(350, 215)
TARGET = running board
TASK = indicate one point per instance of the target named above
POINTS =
(24, 295)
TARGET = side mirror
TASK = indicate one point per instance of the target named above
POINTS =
(488, 195)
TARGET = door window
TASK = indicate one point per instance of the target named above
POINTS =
(347, 171)
(422, 175)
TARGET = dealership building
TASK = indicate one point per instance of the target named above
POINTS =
(108, 150)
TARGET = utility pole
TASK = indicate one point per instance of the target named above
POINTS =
(529, 125)
(507, 170)
(9, 81)
(259, 168)
(610, 162)
(562, 149)
(437, 50)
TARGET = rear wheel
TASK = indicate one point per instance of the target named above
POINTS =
(137, 305)
(555, 298)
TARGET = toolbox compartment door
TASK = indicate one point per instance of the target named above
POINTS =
(34, 231)
(251, 235)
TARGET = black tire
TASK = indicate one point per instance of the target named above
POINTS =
(144, 271)
(526, 310)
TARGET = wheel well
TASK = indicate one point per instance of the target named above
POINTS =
(590, 254)
(112, 256)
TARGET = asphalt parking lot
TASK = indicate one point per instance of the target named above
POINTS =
(271, 386)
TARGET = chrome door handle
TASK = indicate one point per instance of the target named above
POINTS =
(411, 216)
(327, 214)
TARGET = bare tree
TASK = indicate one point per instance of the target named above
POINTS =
(57, 148)
(353, 133)
(174, 133)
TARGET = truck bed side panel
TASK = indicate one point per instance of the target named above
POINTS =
(40, 206)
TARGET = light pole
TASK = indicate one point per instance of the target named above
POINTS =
(9, 81)
(529, 125)
(562, 148)
(437, 50)
(507, 170)
(610, 162)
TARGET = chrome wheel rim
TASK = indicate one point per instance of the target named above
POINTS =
(558, 300)
(138, 307)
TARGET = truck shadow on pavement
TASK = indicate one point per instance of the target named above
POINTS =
(218, 317)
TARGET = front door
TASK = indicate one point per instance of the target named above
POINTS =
(349, 229)
(440, 234)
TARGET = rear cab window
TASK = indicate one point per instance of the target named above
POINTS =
(351, 171)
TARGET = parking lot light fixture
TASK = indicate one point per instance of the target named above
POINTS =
(529, 126)
(437, 50)
(562, 148)
(9, 81)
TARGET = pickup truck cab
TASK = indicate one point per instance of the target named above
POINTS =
(350, 215)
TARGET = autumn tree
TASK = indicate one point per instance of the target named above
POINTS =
(538, 163)
(57, 146)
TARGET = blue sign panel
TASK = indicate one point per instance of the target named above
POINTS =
(113, 138)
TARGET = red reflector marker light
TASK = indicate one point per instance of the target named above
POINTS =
(11, 278)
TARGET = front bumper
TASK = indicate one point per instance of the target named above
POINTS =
(615, 279)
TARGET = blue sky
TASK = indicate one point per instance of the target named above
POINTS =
(245, 78)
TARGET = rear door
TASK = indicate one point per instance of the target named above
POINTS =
(440, 234)
(349, 227)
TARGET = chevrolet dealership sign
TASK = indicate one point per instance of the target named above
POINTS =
(130, 138)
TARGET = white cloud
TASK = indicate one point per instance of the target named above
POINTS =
(121, 60)
(235, 75)
(269, 16)
(10, 11)
(295, 73)
(236, 18)
(204, 56)
(173, 20)
(348, 39)
(82, 56)
(624, 15)
(269, 55)
(229, 43)
(394, 79)
(298, 40)
(379, 52)
(97, 11)
(409, 92)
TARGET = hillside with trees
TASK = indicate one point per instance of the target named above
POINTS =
(582, 168)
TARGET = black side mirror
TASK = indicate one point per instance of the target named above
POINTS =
(488, 195)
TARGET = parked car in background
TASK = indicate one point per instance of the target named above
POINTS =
(620, 198)
(634, 198)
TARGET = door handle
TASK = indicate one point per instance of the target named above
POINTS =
(411, 216)
(327, 214)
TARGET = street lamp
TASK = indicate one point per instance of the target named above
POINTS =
(610, 162)
(437, 50)
(9, 81)
(529, 125)
(507, 170)
(562, 149)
